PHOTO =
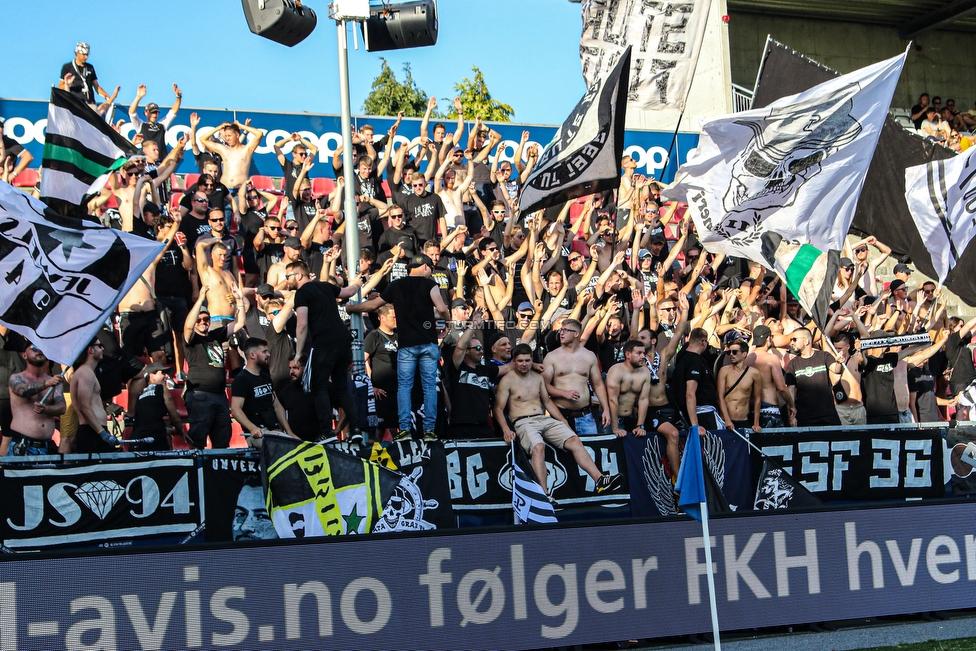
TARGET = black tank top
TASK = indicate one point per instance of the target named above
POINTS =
(150, 410)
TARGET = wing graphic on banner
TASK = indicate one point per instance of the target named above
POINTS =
(62, 277)
(584, 155)
(795, 167)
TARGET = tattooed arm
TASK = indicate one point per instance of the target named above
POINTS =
(26, 389)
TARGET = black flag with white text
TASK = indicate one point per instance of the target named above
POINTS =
(584, 155)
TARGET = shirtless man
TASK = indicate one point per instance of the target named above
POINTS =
(628, 387)
(222, 283)
(662, 417)
(765, 359)
(568, 369)
(455, 184)
(141, 328)
(124, 187)
(524, 393)
(86, 400)
(739, 389)
(276, 273)
(33, 409)
(235, 154)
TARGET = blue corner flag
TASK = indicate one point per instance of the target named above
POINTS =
(691, 477)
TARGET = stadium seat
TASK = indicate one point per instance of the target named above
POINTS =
(265, 184)
(174, 202)
(176, 183)
(190, 179)
(26, 179)
(386, 189)
(322, 187)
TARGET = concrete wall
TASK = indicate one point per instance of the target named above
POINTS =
(945, 65)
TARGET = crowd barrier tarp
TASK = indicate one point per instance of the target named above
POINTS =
(480, 474)
(99, 504)
(651, 490)
(26, 121)
(859, 464)
(234, 497)
(522, 588)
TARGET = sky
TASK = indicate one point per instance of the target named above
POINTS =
(528, 51)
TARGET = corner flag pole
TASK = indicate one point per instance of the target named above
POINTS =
(711, 579)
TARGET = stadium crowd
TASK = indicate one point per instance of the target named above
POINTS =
(603, 315)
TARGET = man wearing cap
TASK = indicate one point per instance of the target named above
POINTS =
(324, 343)
(415, 298)
(902, 272)
(773, 389)
(78, 76)
(154, 129)
(868, 280)
(153, 404)
(253, 401)
(205, 395)
(292, 252)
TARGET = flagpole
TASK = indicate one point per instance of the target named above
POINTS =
(711, 579)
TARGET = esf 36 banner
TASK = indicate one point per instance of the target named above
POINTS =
(99, 504)
(857, 465)
(505, 591)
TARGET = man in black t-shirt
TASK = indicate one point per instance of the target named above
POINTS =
(324, 343)
(470, 382)
(78, 76)
(810, 377)
(958, 355)
(300, 410)
(694, 384)
(290, 169)
(380, 348)
(415, 299)
(205, 395)
(878, 384)
(424, 211)
(253, 401)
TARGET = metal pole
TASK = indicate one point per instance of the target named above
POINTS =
(349, 201)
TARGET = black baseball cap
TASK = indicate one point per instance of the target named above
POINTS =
(760, 334)
(265, 290)
(459, 302)
(151, 208)
(902, 268)
(154, 367)
(293, 242)
(419, 260)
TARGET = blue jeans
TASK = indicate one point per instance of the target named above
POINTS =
(409, 359)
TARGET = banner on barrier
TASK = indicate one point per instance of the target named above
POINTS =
(506, 591)
(101, 503)
(235, 509)
(480, 474)
(860, 465)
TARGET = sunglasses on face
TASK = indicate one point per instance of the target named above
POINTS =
(669, 309)
(217, 219)
(862, 249)
(793, 339)
(273, 228)
(291, 228)
(396, 216)
(200, 199)
(479, 348)
(498, 212)
(204, 319)
(491, 248)
(419, 185)
(35, 349)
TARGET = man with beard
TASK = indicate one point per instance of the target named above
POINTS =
(86, 400)
(300, 411)
(36, 399)
(628, 388)
(740, 389)
(811, 375)
(424, 210)
(253, 402)
(251, 519)
(569, 372)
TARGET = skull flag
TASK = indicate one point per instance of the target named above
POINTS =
(62, 277)
(795, 167)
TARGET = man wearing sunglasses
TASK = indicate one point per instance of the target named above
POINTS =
(811, 375)
(861, 254)
(301, 151)
(424, 210)
(470, 382)
(739, 389)
(33, 410)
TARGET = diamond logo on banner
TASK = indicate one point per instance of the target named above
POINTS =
(99, 496)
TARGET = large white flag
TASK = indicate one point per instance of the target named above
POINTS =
(941, 196)
(60, 277)
(795, 167)
(666, 37)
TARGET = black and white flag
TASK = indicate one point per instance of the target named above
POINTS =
(60, 278)
(666, 37)
(941, 196)
(80, 152)
(795, 167)
(778, 490)
(584, 155)
(529, 501)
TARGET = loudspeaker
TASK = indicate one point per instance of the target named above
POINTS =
(284, 21)
(407, 24)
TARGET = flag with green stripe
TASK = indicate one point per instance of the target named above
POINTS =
(807, 271)
(81, 150)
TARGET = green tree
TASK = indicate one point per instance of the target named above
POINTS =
(390, 96)
(477, 101)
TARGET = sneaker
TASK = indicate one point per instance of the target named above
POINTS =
(429, 435)
(607, 483)
(403, 435)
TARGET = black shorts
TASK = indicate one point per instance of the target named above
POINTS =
(87, 441)
(143, 332)
(113, 374)
(657, 416)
